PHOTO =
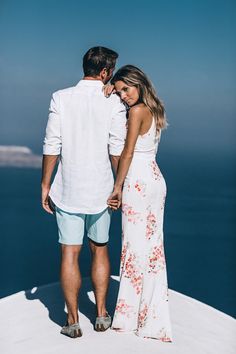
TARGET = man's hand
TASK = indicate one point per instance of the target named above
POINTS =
(47, 206)
(114, 201)
(48, 165)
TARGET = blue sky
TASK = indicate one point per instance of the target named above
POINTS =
(187, 48)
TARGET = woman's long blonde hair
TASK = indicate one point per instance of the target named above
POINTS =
(133, 76)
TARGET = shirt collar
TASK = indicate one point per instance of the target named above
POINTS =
(92, 83)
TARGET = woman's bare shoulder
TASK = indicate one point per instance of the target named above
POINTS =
(138, 110)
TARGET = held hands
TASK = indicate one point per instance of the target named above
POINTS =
(114, 201)
(108, 89)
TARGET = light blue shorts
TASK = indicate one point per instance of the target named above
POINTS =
(72, 226)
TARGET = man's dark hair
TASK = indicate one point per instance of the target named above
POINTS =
(98, 58)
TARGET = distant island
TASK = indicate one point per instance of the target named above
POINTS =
(18, 156)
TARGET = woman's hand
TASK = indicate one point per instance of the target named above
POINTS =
(114, 201)
(108, 89)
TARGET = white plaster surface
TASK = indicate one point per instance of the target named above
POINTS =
(30, 323)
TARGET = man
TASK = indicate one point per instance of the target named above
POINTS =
(83, 126)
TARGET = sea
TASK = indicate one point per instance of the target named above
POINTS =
(199, 230)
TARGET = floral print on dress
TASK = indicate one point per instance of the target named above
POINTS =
(156, 173)
(151, 224)
(156, 259)
(162, 335)
(127, 186)
(142, 315)
(140, 187)
(142, 305)
(123, 255)
(133, 216)
(123, 308)
(131, 270)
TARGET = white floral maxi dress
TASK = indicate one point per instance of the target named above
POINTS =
(142, 303)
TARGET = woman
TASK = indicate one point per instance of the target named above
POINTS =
(142, 304)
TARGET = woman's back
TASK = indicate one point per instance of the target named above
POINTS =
(147, 143)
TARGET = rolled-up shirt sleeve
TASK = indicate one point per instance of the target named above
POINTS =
(52, 140)
(117, 132)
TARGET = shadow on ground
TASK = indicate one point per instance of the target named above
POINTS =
(51, 297)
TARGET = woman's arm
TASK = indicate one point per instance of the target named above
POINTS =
(136, 115)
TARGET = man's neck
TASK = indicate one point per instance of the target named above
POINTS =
(97, 78)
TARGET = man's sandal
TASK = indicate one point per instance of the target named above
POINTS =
(72, 331)
(102, 323)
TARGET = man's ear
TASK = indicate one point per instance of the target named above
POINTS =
(104, 73)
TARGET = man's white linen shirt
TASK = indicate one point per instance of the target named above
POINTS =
(84, 127)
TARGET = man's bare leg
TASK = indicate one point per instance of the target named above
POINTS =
(71, 279)
(100, 273)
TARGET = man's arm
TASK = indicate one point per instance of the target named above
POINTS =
(51, 150)
(115, 163)
(48, 166)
